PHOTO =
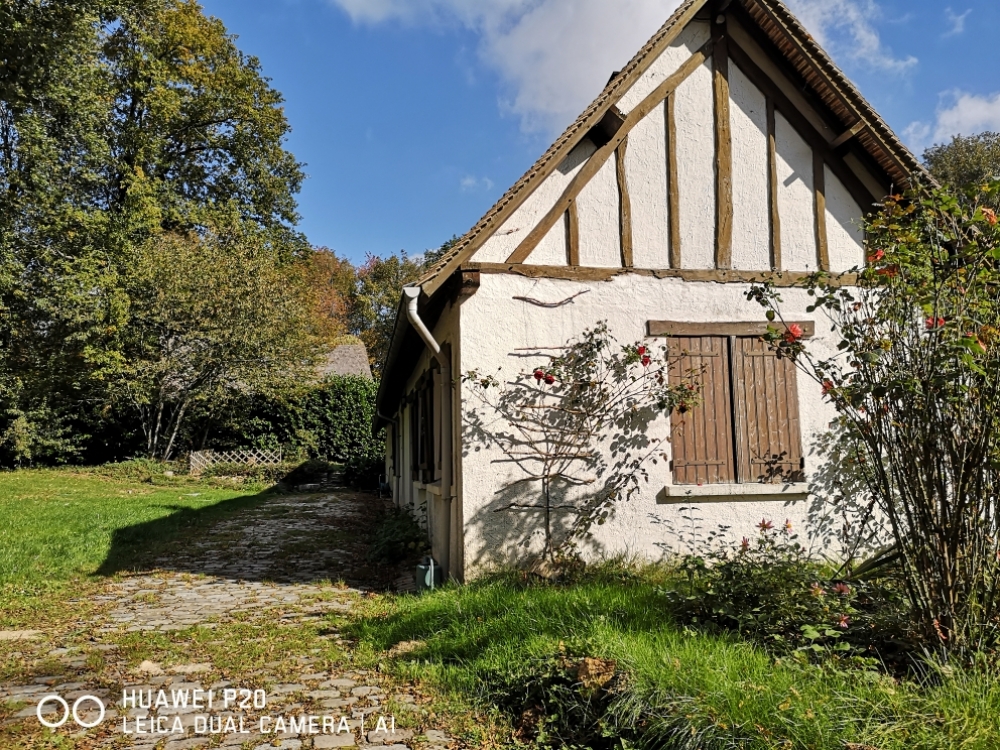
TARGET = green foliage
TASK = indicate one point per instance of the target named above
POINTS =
(514, 641)
(118, 122)
(331, 421)
(208, 320)
(771, 591)
(577, 429)
(916, 381)
(397, 538)
(376, 300)
(967, 163)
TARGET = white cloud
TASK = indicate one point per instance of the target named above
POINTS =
(967, 114)
(554, 56)
(470, 184)
(957, 21)
(846, 28)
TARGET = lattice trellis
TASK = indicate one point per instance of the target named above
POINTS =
(201, 460)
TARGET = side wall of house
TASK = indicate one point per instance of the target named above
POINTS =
(507, 337)
(423, 499)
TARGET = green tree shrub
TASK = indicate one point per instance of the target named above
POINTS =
(916, 382)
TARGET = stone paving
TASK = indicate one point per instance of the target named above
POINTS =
(288, 561)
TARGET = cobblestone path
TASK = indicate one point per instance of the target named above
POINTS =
(249, 605)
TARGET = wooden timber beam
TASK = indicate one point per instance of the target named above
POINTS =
(624, 205)
(736, 328)
(723, 146)
(601, 156)
(572, 235)
(772, 193)
(673, 183)
(844, 137)
(716, 275)
(816, 140)
(819, 191)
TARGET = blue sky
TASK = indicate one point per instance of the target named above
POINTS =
(414, 116)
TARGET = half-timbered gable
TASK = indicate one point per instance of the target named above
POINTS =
(728, 149)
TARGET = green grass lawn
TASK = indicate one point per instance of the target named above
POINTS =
(62, 532)
(55, 525)
(687, 689)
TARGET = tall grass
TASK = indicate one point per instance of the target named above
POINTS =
(684, 688)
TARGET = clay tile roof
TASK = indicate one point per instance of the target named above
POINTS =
(788, 35)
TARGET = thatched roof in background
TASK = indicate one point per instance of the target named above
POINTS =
(347, 359)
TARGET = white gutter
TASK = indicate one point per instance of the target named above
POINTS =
(412, 296)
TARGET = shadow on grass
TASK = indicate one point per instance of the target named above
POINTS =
(268, 536)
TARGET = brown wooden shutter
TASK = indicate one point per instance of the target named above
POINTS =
(766, 410)
(702, 438)
(414, 410)
(427, 430)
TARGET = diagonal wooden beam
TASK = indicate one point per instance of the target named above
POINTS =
(723, 147)
(624, 205)
(601, 156)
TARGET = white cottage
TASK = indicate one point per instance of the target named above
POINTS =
(730, 148)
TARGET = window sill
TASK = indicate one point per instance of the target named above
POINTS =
(675, 493)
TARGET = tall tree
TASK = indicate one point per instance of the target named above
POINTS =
(209, 319)
(376, 300)
(967, 163)
(118, 121)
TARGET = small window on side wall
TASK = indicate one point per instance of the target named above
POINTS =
(746, 428)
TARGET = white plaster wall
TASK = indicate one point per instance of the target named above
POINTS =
(597, 212)
(844, 229)
(551, 251)
(505, 240)
(796, 198)
(646, 171)
(696, 168)
(686, 44)
(751, 222)
(627, 302)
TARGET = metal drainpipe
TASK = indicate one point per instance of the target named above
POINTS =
(412, 294)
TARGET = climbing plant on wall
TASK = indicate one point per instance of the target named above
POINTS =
(576, 430)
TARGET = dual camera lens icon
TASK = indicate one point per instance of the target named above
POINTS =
(67, 711)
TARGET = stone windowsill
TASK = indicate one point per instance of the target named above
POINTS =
(674, 493)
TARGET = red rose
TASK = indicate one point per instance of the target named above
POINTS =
(640, 350)
(550, 379)
(646, 360)
(793, 334)
(827, 387)
(539, 374)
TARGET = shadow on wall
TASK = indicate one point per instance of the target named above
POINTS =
(569, 493)
(842, 523)
(268, 536)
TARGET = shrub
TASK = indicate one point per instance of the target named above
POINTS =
(331, 421)
(397, 538)
(915, 379)
(770, 590)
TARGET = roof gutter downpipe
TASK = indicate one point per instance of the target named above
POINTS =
(412, 296)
